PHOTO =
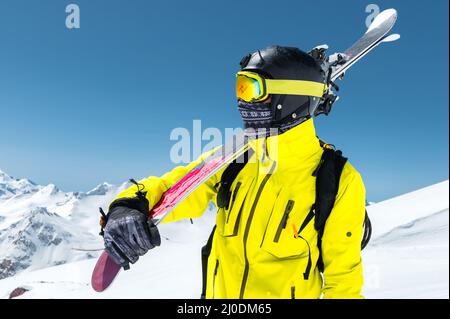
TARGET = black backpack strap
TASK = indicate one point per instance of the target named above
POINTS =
(328, 174)
(367, 231)
(206, 251)
(228, 176)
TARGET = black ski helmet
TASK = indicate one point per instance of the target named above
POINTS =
(287, 63)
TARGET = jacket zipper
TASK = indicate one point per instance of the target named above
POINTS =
(293, 292)
(284, 219)
(216, 268)
(238, 185)
(247, 228)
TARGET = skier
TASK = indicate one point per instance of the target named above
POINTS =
(290, 224)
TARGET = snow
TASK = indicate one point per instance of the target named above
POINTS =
(68, 221)
(410, 261)
(406, 208)
(38, 240)
(408, 256)
(170, 271)
(10, 186)
(101, 189)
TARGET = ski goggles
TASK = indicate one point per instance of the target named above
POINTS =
(252, 87)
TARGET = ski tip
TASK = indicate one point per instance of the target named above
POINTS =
(392, 37)
(105, 271)
(383, 17)
(390, 13)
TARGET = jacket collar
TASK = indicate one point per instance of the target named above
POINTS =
(290, 148)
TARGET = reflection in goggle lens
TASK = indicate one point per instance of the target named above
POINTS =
(247, 88)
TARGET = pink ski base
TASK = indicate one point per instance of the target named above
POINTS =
(104, 272)
(173, 195)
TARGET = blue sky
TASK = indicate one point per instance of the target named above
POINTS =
(95, 104)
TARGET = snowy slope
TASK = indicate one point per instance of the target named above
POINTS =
(170, 271)
(41, 226)
(410, 261)
(407, 258)
(406, 208)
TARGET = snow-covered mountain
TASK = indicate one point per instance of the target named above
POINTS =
(40, 239)
(408, 256)
(41, 226)
(10, 186)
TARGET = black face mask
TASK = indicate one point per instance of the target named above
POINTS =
(259, 118)
(255, 115)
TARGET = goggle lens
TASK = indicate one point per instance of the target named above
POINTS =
(247, 89)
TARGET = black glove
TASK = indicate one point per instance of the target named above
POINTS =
(129, 233)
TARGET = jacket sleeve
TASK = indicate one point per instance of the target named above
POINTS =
(193, 206)
(341, 241)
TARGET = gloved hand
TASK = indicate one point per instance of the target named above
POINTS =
(128, 233)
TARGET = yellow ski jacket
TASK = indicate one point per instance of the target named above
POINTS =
(255, 250)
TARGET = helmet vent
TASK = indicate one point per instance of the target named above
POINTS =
(244, 60)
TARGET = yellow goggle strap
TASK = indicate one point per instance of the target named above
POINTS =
(295, 87)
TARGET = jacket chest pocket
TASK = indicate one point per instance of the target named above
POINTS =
(230, 217)
(289, 230)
